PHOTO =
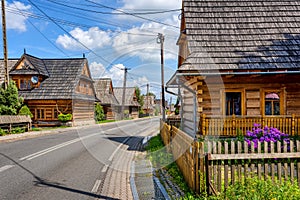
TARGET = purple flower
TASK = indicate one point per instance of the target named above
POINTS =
(256, 125)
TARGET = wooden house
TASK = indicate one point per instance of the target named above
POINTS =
(131, 106)
(53, 86)
(238, 64)
(149, 107)
(105, 93)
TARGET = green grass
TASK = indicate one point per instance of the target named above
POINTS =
(106, 121)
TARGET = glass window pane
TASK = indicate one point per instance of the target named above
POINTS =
(233, 103)
(268, 108)
(276, 108)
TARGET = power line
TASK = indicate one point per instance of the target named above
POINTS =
(137, 16)
(110, 13)
(68, 32)
(42, 33)
(69, 23)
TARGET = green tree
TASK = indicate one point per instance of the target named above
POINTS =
(99, 113)
(10, 102)
(25, 111)
(140, 98)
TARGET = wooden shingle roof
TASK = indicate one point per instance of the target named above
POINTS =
(242, 34)
(104, 91)
(11, 64)
(129, 96)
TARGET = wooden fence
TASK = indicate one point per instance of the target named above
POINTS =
(212, 166)
(228, 163)
(234, 125)
(9, 122)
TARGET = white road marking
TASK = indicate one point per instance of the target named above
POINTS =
(50, 149)
(104, 169)
(96, 186)
(6, 167)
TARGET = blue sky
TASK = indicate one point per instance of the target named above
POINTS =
(112, 35)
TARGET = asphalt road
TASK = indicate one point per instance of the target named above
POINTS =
(68, 165)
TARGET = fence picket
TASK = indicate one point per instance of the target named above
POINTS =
(266, 168)
(259, 164)
(246, 148)
(232, 163)
(298, 164)
(279, 167)
(285, 162)
(272, 164)
(239, 146)
(226, 166)
(292, 162)
(219, 177)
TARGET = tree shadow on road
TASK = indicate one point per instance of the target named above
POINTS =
(40, 181)
(134, 143)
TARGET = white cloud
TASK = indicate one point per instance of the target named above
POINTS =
(134, 43)
(93, 38)
(14, 20)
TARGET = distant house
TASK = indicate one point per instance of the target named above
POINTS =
(105, 93)
(239, 63)
(53, 86)
(131, 106)
(149, 106)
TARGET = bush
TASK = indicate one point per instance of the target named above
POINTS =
(2, 132)
(17, 130)
(99, 113)
(64, 117)
(25, 111)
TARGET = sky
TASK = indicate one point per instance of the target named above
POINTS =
(111, 34)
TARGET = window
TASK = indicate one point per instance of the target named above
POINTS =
(40, 113)
(25, 84)
(233, 103)
(272, 103)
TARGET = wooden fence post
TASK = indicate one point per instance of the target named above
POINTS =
(196, 167)
(207, 175)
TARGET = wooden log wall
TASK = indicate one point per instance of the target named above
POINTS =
(83, 110)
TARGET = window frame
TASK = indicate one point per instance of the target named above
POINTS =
(223, 100)
(281, 94)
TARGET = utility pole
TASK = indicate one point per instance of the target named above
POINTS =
(124, 92)
(6, 81)
(147, 98)
(160, 40)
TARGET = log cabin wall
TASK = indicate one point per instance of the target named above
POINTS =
(83, 112)
(45, 112)
(211, 94)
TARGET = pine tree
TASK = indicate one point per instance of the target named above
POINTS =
(10, 102)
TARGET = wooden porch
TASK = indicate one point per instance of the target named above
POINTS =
(232, 126)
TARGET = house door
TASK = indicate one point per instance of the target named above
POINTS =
(233, 103)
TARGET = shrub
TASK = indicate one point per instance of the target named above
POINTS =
(99, 113)
(267, 134)
(17, 130)
(2, 132)
(64, 117)
(25, 111)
